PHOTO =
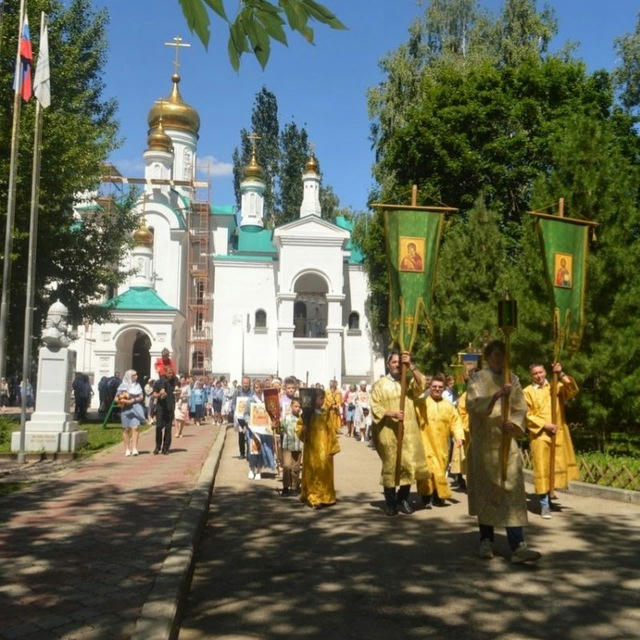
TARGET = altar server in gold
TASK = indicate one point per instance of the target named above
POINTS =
(385, 408)
(333, 404)
(458, 464)
(439, 422)
(320, 445)
(495, 502)
(541, 429)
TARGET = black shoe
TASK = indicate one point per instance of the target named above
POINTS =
(438, 502)
(390, 509)
(285, 492)
(426, 501)
(405, 507)
(165, 452)
(156, 452)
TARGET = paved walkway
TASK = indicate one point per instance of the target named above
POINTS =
(270, 568)
(79, 554)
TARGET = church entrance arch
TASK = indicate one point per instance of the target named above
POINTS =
(310, 307)
(132, 352)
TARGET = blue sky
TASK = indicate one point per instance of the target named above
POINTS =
(322, 87)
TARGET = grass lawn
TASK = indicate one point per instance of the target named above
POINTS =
(98, 438)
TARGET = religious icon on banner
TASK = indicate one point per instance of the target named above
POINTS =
(259, 416)
(563, 270)
(411, 253)
(241, 407)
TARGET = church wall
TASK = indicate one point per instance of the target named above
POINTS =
(296, 259)
(357, 344)
(240, 289)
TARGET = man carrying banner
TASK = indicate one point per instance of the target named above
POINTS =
(497, 502)
(387, 416)
(542, 428)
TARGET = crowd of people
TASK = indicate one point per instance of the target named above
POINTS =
(437, 441)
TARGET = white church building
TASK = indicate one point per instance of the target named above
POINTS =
(225, 295)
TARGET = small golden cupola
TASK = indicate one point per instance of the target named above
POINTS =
(158, 140)
(253, 171)
(312, 164)
(174, 111)
(143, 236)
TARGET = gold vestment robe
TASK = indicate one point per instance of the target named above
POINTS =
(333, 404)
(320, 445)
(439, 421)
(385, 396)
(493, 503)
(538, 414)
(458, 462)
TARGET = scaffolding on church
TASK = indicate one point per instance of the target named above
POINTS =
(199, 339)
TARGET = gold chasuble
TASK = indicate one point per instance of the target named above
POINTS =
(494, 503)
(439, 421)
(385, 396)
(538, 414)
(333, 403)
(320, 445)
(459, 454)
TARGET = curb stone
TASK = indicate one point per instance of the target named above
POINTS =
(588, 490)
(160, 612)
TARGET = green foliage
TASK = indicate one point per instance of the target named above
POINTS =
(294, 152)
(627, 75)
(257, 23)
(478, 114)
(79, 132)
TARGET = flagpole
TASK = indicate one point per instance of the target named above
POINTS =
(31, 276)
(11, 204)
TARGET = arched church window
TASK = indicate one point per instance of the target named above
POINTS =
(197, 360)
(260, 319)
(354, 321)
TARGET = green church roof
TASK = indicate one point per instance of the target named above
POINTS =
(138, 299)
(223, 210)
(255, 240)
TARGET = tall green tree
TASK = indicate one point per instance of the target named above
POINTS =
(627, 74)
(264, 124)
(294, 152)
(79, 132)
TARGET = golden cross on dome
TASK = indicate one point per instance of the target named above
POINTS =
(312, 148)
(177, 43)
(253, 137)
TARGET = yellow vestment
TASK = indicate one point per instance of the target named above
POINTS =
(333, 404)
(438, 421)
(320, 445)
(494, 503)
(385, 396)
(458, 462)
(538, 414)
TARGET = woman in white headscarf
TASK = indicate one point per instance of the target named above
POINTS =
(130, 397)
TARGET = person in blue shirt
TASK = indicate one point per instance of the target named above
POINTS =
(197, 400)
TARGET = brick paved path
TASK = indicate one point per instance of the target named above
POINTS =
(78, 555)
(270, 568)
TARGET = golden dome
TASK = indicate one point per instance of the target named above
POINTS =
(158, 140)
(175, 113)
(143, 236)
(253, 169)
(312, 164)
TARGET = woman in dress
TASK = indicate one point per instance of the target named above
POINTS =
(130, 397)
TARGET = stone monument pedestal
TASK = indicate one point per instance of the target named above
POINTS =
(52, 428)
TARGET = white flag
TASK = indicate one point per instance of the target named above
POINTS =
(42, 78)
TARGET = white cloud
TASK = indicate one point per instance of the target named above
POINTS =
(210, 165)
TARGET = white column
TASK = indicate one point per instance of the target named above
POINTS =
(286, 355)
(334, 335)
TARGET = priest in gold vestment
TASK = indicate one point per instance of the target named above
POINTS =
(385, 408)
(320, 445)
(541, 429)
(494, 502)
(458, 464)
(439, 422)
(333, 404)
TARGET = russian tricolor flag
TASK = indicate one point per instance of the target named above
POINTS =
(23, 72)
